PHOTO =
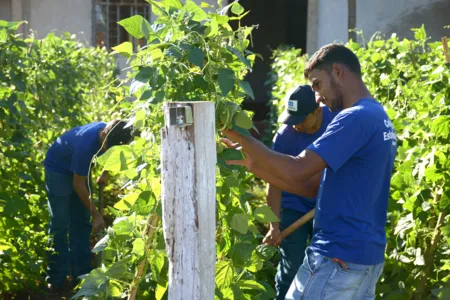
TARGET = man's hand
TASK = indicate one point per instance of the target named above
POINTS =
(103, 179)
(233, 135)
(273, 235)
(98, 223)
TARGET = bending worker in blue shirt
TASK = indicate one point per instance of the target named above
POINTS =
(66, 170)
(304, 122)
(349, 170)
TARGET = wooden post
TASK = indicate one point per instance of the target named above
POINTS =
(188, 198)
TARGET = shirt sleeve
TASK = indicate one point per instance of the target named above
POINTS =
(80, 161)
(345, 135)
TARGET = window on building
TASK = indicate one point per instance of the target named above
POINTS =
(107, 32)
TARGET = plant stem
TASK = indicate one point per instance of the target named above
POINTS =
(149, 231)
(429, 255)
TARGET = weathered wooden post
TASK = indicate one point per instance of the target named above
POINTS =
(188, 198)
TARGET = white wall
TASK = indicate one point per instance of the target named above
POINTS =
(74, 16)
(5, 10)
(399, 16)
(332, 22)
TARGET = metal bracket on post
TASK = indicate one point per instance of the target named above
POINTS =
(181, 115)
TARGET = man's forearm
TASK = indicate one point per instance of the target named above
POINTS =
(84, 196)
(270, 164)
(274, 201)
(307, 188)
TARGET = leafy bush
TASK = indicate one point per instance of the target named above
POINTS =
(46, 87)
(411, 79)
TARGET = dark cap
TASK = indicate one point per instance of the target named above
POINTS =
(299, 105)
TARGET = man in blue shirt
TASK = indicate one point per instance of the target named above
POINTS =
(304, 121)
(349, 169)
(67, 164)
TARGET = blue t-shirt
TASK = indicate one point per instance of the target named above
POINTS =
(73, 151)
(291, 142)
(359, 147)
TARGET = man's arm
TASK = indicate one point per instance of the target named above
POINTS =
(79, 184)
(274, 202)
(298, 175)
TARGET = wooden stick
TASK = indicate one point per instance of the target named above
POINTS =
(445, 44)
(98, 258)
(294, 226)
(149, 231)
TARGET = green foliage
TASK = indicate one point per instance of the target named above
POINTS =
(45, 87)
(191, 55)
(410, 78)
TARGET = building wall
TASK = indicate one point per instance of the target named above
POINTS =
(329, 22)
(400, 16)
(74, 16)
(5, 10)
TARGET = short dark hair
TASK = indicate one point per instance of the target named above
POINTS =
(116, 133)
(331, 54)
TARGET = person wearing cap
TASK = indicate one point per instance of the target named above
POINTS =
(67, 165)
(348, 168)
(304, 120)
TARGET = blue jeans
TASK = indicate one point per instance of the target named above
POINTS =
(321, 278)
(292, 251)
(70, 230)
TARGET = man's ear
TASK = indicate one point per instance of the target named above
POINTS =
(338, 70)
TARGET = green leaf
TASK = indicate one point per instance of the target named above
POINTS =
(445, 199)
(255, 263)
(116, 159)
(239, 222)
(265, 214)
(11, 25)
(247, 88)
(226, 80)
(442, 293)
(241, 252)
(240, 56)
(266, 251)
(146, 28)
(161, 290)
(224, 274)
(172, 3)
(156, 260)
(133, 26)
(196, 56)
(125, 49)
(214, 27)
(101, 245)
(3, 35)
(441, 126)
(232, 154)
(446, 230)
(174, 52)
(242, 120)
(139, 247)
(127, 202)
(192, 7)
(237, 9)
(118, 269)
(251, 284)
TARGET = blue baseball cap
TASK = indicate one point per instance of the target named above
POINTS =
(299, 105)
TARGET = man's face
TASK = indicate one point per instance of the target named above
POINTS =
(311, 123)
(330, 93)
